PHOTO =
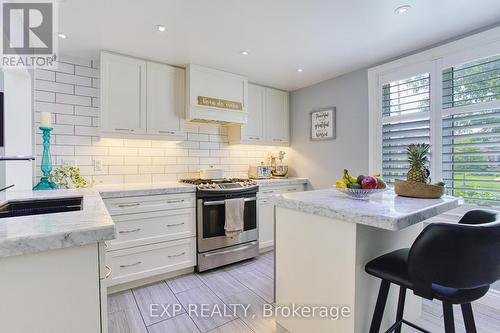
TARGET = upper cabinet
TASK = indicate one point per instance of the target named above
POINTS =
(141, 99)
(268, 118)
(123, 93)
(277, 117)
(165, 99)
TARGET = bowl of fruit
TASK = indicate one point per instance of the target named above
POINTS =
(361, 187)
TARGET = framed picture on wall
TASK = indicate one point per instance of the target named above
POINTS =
(323, 123)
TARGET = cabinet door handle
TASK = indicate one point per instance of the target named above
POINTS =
(271, 191)
(175, 201)
(277, 140)
(124, 129)
(108, 274)
(130, 265)
(129, 205)
(177, 255)
(129, 231)
(175, 224)
(292, 189)
(253, 138)
(166, 132)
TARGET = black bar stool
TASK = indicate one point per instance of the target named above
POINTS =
(454, 263)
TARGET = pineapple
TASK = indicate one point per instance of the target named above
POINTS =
(417, 157)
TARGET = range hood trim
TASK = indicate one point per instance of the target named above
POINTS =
(204, 113)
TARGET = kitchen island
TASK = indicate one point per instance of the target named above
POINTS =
(323, 241)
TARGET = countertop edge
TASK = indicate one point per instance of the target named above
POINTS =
(377, 221)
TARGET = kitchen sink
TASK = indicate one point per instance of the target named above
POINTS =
(40, 206)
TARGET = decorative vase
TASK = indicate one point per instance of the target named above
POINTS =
(46, 167)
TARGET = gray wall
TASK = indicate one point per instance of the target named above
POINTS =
(323, 162)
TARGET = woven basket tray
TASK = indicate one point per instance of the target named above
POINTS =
(411, 189)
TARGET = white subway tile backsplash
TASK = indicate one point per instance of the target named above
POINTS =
(86, 130)
(86, 71)
(86, 91)
(86, 111)
(73, 120)
(53, 107)
(54, 87)
(74, 79)
(72, 99)
(45, 96)
(42, 74)
(71, 93)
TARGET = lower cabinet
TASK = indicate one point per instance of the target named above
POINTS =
(266, 212)
(63, 290)
(156, 235)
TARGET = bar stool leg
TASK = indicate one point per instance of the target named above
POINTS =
(449, 324)
(470, 325)
(380, 306)
(401, 307)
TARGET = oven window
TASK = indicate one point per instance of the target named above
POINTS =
(214, 219)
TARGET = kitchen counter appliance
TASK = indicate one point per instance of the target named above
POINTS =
(214, 248)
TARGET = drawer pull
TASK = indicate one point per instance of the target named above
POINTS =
(134, 204)
(166, 132)
(129, 231)
(292, 189)
(271, 191)
(253, 138)
(108, 274)
(279, 140)
(175, 224)
(124, 129)
(175, 201)
(131, 265)
(177, 255)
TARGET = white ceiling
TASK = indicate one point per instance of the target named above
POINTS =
(324, 37)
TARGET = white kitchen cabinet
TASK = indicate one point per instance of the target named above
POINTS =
(165, 100)
(276, 123)
(266, 212)
(62, 290)
(141, 99)
(123, 94)
(156, 237)
(268, 118)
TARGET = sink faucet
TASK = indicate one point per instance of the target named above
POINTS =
(7, 187)
(17, 158)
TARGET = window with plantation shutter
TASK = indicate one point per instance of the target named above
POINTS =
(471, 156)
(471, 131)
(405, 120)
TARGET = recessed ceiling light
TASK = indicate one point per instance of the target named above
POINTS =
(61, 35)
(300, 70)
(160, 28)
(402, 9)
(245, 53)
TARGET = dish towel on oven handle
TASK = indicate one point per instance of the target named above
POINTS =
(235, 211)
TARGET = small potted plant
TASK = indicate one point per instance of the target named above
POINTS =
(69, 177)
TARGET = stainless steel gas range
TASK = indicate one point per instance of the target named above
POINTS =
(214, 247)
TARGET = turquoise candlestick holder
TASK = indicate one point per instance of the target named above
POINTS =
(46, 167)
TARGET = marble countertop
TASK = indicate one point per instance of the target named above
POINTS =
(130, 190)
(37, 233)
(384, 210)
(281, 181)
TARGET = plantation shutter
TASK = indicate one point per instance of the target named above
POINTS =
(471, 131)
(405, 120)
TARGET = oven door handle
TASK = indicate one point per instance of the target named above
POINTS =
(221, 202)
(252, 244)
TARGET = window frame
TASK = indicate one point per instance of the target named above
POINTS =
(432, 61)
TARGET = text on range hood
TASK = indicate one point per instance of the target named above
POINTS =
(215, 96)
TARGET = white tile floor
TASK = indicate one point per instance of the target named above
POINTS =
(250, 282)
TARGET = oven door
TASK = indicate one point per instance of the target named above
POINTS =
(211, 221)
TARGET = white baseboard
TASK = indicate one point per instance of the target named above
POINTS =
(491, 299)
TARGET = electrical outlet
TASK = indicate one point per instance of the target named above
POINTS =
(67, 162)
(97, 165)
